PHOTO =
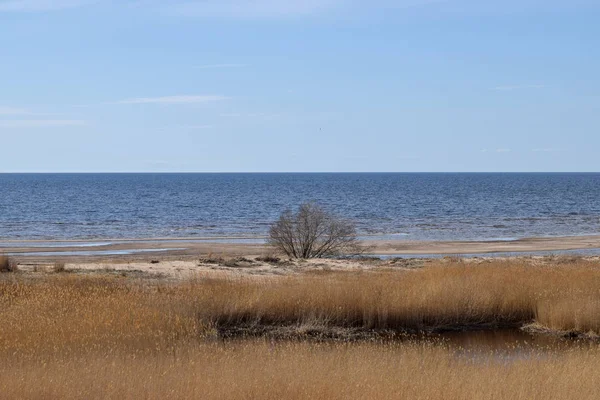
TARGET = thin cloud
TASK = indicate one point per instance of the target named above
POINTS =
(216, 66)
(12, 111)
(503, 150)
(545, 150)
(251, 116)
(41, 123)
(282, 8)
(158, 163)
(41, 5)
(166, 164)
(197, 126)
(187, 127)
(250, 9)
(215, 8)
(407, 158)
(172, 100)
(509, 88)
(241, 115)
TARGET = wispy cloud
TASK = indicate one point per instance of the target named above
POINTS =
(287, 8)
(158, 163)
(186, 127)
(215, 66)
(249, 9)
(502, 150)
(41, 5)
(12, 111)
(508, 88)
(197, 127)
(164, 164)
(217, 8)
(283, 8)
(242, 115)
(545, 150)
(41, 123)
(254, 116)
(172, 100)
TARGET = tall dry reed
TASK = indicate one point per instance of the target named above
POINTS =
(70, 336)
(249, 370)
(7, 264)
(454, 296)
(75, 309)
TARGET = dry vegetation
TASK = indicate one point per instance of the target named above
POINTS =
(304, 371)
(313, 232)
(59, 267)
(72, 336)
(7, 264)
(439, 297)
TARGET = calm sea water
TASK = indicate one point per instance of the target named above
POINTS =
(410, 206)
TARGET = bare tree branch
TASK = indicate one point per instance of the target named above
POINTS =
(312, 232)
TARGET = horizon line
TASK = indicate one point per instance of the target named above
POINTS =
(288, 172)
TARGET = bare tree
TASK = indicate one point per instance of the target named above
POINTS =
(312, 232)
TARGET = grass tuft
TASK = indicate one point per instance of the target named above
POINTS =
(269, 259)
(81, 336)
(59, 267)
(8, 265)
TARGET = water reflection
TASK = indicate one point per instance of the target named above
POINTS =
(506, 345)
(93, 253)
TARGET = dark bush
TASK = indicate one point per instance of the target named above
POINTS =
(312, 232)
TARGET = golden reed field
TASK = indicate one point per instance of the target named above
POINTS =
(67, 335)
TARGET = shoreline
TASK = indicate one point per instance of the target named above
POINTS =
(524, 245)
(237, 246)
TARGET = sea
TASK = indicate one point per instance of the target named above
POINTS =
(403, 206)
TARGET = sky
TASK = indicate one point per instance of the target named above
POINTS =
(299, 86)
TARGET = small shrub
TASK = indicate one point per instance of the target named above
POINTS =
(269, 259)
(108, 269)
(4, 261)
(59, 267)
(238, 262)
(8, 265)
(312, 232)
(211, 259)
(231, 263)
(454, 258)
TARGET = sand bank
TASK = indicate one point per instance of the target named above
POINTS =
(179, 258)
(525, 245)
(186, 248)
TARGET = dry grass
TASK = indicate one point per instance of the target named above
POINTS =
(59, 267)
(562, 297)
(304, 371)
(71, 336)
(8, 265)
(271, 259)
(70, 313)
(444, 296)
(433, 298)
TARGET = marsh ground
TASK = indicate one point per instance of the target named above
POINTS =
(301, 330)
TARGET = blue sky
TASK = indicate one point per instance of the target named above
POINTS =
(313, 85)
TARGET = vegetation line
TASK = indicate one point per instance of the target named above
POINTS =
(66, 335)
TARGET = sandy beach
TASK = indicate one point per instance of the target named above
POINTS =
(231, 247)
(180, 257)
(483, 247)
